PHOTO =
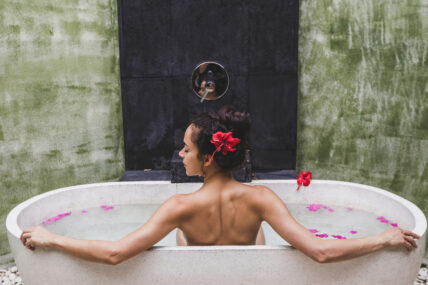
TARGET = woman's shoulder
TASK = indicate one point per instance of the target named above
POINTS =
(181, 204)
(249, 191)
(238, 190)
(190, 202)
(259, 195)
(185, 200)
(260, 190)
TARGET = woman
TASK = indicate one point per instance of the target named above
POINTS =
(223, 211)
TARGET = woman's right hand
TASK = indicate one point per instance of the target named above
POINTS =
(36, 236)
(399, 237)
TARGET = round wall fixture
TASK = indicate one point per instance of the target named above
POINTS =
(210, 81)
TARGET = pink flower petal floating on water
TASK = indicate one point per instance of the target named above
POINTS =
(383, 220)
(338, 236)
(56, 218)
(313, 231)
(314, 207)
(349, 209)
(353, 232)
(84, 211)
(106, 208)
(322, 235)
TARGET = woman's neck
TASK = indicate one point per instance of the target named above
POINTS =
(217, 176)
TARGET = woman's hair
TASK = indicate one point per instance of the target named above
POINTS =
(227, 119)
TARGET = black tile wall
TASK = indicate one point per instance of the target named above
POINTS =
(161, 42)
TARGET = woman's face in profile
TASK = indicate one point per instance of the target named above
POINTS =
(189, 154)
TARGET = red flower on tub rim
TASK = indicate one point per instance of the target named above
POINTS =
(304, 178)
(224, 142)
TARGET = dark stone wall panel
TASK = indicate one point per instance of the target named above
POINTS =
(273, 108)
(161, 42)
(215, 30)
(169, 39)
(273, 30)
(148, 121)
(273, 159)
(146, 38)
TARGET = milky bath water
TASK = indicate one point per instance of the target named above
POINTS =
(112, 222)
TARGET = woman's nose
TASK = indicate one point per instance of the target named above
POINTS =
(181, 153)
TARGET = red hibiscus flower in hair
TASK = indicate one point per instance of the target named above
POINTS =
(225, 140)
(304, 178)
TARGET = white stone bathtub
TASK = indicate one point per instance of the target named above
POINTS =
(216, 264)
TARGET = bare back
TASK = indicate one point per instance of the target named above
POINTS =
(226, 216)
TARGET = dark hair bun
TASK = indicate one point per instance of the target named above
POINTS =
(237, 122)
(227, 119)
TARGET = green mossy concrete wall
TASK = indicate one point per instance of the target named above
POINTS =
(60, 111)
(363, 93)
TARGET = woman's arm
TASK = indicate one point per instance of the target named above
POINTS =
(91, 250)
(276, 214)
(164, 220)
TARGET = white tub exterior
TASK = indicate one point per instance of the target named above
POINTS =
(217, 264)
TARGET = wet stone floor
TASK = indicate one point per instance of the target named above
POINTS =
(10, 276)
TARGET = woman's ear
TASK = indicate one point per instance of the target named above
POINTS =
(207, 160)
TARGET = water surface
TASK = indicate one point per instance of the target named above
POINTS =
(112, 222)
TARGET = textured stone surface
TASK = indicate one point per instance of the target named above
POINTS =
(60, 114)
(421, 279)
(363, 94)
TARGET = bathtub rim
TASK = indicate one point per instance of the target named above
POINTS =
(420, 219)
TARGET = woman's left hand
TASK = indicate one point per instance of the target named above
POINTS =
(36, 236)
